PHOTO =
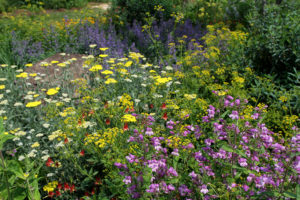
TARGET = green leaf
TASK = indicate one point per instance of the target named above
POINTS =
(18, 194)
(14, 167)
(289, 195)
(298, 191)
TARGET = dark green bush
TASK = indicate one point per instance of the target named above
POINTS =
(274, 39)
(64, 3)
(136, 9)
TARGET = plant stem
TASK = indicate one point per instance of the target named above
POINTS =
(5, 174)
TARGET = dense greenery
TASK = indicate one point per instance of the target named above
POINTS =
(152, 100)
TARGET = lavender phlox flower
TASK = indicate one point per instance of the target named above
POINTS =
(204, 189)
(243, 162)
(127, 180)
(234, 115)
(211, 111)
(230, 98)
(149, 131)
(131, 158)
(246, 187)
(120, 165)
(175, 152)
(193, 175)
(237, 102)
(153, 188)
(157, 164)
(255, 116)
(172, 172)
(278, 148)
(208, 141)
(184, 190)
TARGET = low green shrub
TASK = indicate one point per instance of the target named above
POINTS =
(136, 9)
(274, 37)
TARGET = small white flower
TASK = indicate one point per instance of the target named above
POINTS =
(163, 72)
(128, 80)
(156, 66)
(28, 97)
(16, 139)
(45, 157)
(19, 70)
(13, 66)
(169, 84)
(169, 68)
(37, 78)
(93, 45)
(46, 125)
(21, 158)
(28, 137)
(1, 96)
(137, 101)
(2, 112)
(3, 79)
(50, 174)
(177, 82)
(62, 54)
(4, 102)
(39, 135)
(144, 85)
(134, 76)
(32, 154)
(20, 144)
(18, 104)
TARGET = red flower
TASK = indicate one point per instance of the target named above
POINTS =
(83, 115)
(98, 181)
(79, 122)
(57, 193)
(59, 186)
(72, 188)
(66, 186)
(106, 104)
(66, 140)
(50, 194)
(163, 106)
(125, 128)
(49, 162)
(107, 121)
(165, 117)
(91, 112)
(93, 191)
(132, 109)
(151, 106)
(82, 153)
(127, 109)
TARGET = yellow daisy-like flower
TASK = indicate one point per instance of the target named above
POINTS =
(33, 104)
(128, 118)
(36, 144)
(53, 91)
(22, 75)
(28, 65)
(96, 68)
(103, 49)
(110, 80)
(2, 87)
(54, 62)
(190, 96)
(128, 64)
(107, 72)
(61, 64)
(33, 74)
(103, 55)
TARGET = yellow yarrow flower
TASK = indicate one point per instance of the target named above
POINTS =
(50, 187)
(2, 87)
(33, 104)
(103, 55)
(128, 64)
(22, 75)
(28, 65)
(33, 74)
(110, 80)
(103, 49)
(96, 68)
(53, 91)
(107, 72)
(36, 144)
(128, 118)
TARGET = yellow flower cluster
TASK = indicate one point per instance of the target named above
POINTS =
(53, 91)
(96, 68)
(176, 141)
(110, 81)
(101, 140)
(33, 104)
(128, 118)
(125, 101)
(50, 187)
(160, 80)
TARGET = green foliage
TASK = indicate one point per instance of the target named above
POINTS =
(274, 39)
(136, 9)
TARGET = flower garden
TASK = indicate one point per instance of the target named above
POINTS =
(178, 104)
